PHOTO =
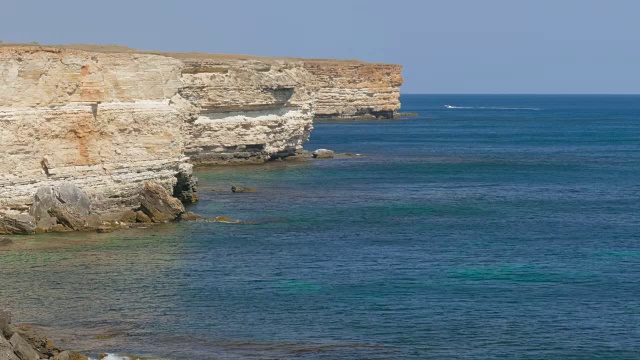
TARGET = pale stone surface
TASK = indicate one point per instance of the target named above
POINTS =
(110, 119)
(351, 89)
(247, 110)
(102, 121)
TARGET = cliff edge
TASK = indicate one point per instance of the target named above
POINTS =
(100, 135)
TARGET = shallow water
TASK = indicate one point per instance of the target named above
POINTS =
(506, 227)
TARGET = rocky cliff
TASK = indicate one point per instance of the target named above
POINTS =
(101, 121)
(245, 110)
(95, 134)
(355, 89)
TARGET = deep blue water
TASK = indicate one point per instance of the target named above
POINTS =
(508, 227)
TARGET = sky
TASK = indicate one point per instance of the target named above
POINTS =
(446, 46)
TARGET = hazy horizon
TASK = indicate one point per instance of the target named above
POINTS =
(453, 47)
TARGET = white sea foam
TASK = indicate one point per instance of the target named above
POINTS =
(491, 107)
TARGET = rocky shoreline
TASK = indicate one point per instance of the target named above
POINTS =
(19, 343)
(102, 137)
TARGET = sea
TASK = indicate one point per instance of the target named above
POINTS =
(487, 227)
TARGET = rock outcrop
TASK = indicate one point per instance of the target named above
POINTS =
(245, 110)
(102, 121)
(18, 343)
(85, 130)
(355, 89)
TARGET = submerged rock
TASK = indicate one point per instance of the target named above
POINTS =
(242, 189)
(5, 241)
(191, 216)
(323, 154)
(224, 219)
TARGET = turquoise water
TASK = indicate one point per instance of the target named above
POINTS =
(506, 227)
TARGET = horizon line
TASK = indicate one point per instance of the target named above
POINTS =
(518, 94)
(569, 94)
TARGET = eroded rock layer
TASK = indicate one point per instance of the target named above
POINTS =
(102, 121)
(113, 126)
(246, 110)
(354, 89)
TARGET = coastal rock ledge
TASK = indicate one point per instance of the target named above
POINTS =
(89, 132)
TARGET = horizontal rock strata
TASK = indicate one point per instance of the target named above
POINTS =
(104, 122)
(354, 89)
(113, 123)
(245, 110)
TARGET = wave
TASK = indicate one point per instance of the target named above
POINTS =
(491, 107)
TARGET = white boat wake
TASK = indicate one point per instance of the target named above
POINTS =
(491, 107)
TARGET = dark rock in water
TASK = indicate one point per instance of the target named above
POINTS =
(402, 115)
(242, 189)
(5, 241)
(323, 154)
(17, 224)
(185, 189)
(158, 204)
(190, 216)
(23, 349)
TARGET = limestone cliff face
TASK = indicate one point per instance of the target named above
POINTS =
(352, 89)
(103, 121)
(92, 134)
(245, 110)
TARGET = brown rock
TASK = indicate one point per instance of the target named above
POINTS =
(224, 219)
(158, 204)
(190, 216)
(142, 217)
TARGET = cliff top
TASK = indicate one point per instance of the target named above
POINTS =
(177, 55)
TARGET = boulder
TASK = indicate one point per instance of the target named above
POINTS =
(158, 204)
(242, 189)
(63, 204)
(23, 349)
(12, 223)
(69, 216)
(323, 154)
